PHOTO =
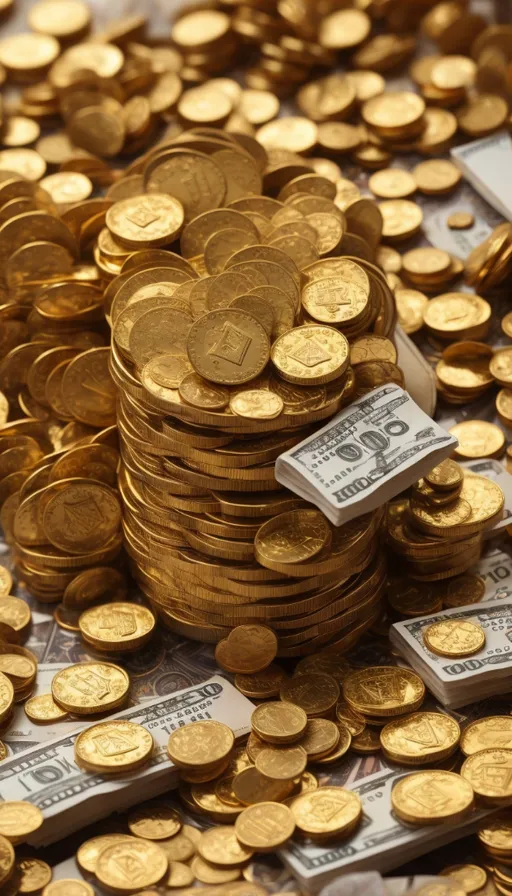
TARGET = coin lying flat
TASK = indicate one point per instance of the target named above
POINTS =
(454, 637)
(200, 744)
(88, 688)
(488, 772)
(384, 690)
(128, 864)
(113, 747)
(312, 818)
(432, 796)
(279, 723)
(420, 737)
(265, 826)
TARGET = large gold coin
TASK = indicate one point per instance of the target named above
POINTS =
(265, 827)
(490, 773)
(221, 846)
(454, 637)
(338, 300)
(200, 744)
(493, 731)
(281, 763)
(88, 688)
(279, 723)
(292, 537)
(421, 737)
(327, 811)
(431, 797)
(33, 875)
(130, 865)
(117, 627)
(153, 220)
(315, 692)
(250, 787)
(228, 346)
(18, 820)
(154, 822)
(88, 853)
(113, 747)
(384, 691)
(471, 877)
(311, 355)
(83, 517)
(478, 438)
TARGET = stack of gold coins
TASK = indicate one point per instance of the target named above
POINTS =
(457, 315)
(463, 373)
(429, 270)
(490, 263)
(226, 355)
(437, 533)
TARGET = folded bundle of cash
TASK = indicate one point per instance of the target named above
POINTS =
(48, 776)
(483, 163)
(370, 452)
(463, 654)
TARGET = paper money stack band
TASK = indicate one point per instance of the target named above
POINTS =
(227, 352)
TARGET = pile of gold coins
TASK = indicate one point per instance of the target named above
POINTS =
(437, 532)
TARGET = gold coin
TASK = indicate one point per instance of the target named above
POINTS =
(489, 773)
(88, 688)
(344, 742)
(265, 827)
(366, 742)
(310, 355)
(117, 626)
(68, 887)
(393, 112)
(454, 638)
(453, 72)
(249, 649)
(315, 692)
(501, 366)
(492, 731)
(202, 394)
(152, 220)
(88, 852)
(194, 179)
(262, 684)
(16, 613)
(338, 300)
(445, 476)
(281, 763)
(372, 348)
(436, 176)
(496, 834)
(471, 877)
(431, 797)
(179, 875)
(112, 747)
(320, 738)
(401, 218)
(228, 346)
(200, 744)
(256, 404)
(44, 709)
(292, 537)
(462, 591)
(131, 864)
(441, 889)
(88, 388)
(46, 18)
(425, 263)
(250, 787)
(455, 313)
(220, 846)
(279, 723)
(384, 691)
(411, 306)
(293, 133)
(179, 848)
(18, 820)
(156, 821)
(6, 696)
(6, 859)
(207, 873)
(327, 811)
(478, 438)
(28, 53)
(33, 874)
(460, 220)
(392, 183)
(83, 517)
(420, 737)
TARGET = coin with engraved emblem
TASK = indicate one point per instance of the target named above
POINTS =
(311, 355)
(326, 812)
(279, 723)
(117, 627)
(113, 747)
(88, 688)
(228, 346)
(152, 220)
(265, 826)
(130, 865)
(454, 637)
(292, 537)
(43, 708)
(489, 772)
(83, 517)
(384, 691)
(420, 737)
(200, 744)
(430, 797)
(445, 476)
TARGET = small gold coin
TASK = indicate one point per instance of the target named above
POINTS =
(344, 742)
(281, 763)
(311, 355)
(220, 846)
(34, 874)
(200, 744)
(401, 218)
(431, 797)
(392, 183)
(117, 626)
(496, 834)
(207, 873)
(454, 638)
(315, 692)
(131, 864)
(113, 747)
(327, 811)
(420, 737)
(88, 688)
(436, 176)
(279, 723)
(18, 820)
(471, 877)
(292, 538)
(261, 685)
(445, 476)
(411, 305)
(460, 220)
(44, 709)
(384, 691)
(265, 827)
(478, 438)
(256, 404)
(493, 731)
(490, 773)
(154, 822)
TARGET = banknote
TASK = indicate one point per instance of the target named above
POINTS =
(495, 567)
(381, 842)
(456, 682)
(485, 164)
(493, 469)
(378, 446)
(70, 798)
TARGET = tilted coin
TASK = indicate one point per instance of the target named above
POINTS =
(310, 355)
(472, 877)
(431, 797)
(384, 691)
(454, 637)
(265, 826)
(34, 874)
(221, 846)
(88, 688)
(113, 747)
(128, 864)
(156, 821)
(251, 787)
(5, 581)
(420, 737)
(18, 820)
(327, 811)
(200, 744)
(262, 684)
(117, 626)
(88, 853)
(489, 773)
(320, 738)
(279, 723)
(496, 833)
(43, 708)
(152, 220)
(248, 649)
(482, 734)
(83, 517)
(315, 692)
(6, 859)
(68, 887)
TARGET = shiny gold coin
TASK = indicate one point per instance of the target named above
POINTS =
(18, 820)
(314, 819)
(7, 858)
(496, 834)
(256, 404)
(6, 696)
(208, 873)
(384, 691)
(88, 853)
(117, 626)
(478, 438)
(310, 355)
(460, 220)
(344, 742)
(248, 649)
(420, 737)
(200, 744)
(152, 220)
(431, 797)
(265, 826)
(489, 773)
(315, 692)
(250, 787)
(281, 763)
(154, 822)
(320, 738)
(445, 476)
(44, 709)
(401, 218)
(220, 846)
(88, 688)
(492, 731)
(392, 183)
(501, 367)
(471, 877)
(64, 509)
(292, 538)
(33, 874)
(454, 637)
(228, 346)
(279, 723)
(68, 887)
(131, 863)
(113, 747)
(261, 685)
(436, 176)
